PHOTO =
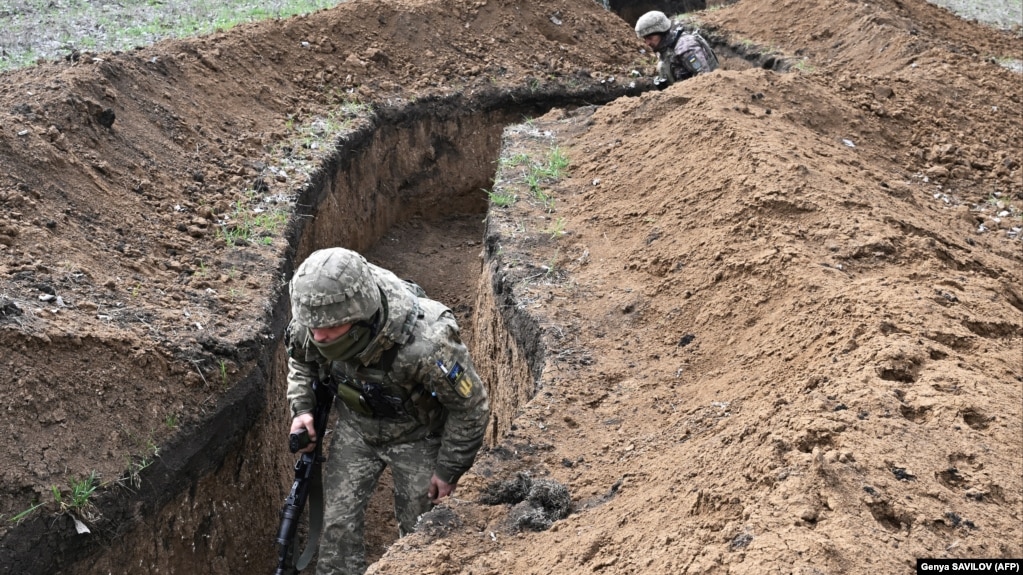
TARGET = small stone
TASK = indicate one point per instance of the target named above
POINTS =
(883, 92)
(808, 514)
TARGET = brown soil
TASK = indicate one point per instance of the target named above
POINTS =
(773, 320)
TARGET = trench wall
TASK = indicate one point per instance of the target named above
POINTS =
(210, 503)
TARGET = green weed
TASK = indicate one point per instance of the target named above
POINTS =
(134, 469)
(513, 161)
(348, 104)
(81, 491)
(557, 229)
(550, 170)
(79, 498)
(547, 200)
(501, 199)
(18, 518)
(245, 226)
(557, 163)
(552, 267)
(804, 66)
(135, 464)
(535, 182)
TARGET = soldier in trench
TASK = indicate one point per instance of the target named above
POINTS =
(680, 54)
(409, 396)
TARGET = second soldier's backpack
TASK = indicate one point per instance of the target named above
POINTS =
(695, 54)
(688, 56)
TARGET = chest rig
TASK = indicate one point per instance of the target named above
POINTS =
(368, 391)
(380, 390)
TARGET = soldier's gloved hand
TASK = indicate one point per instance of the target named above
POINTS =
(661, 83)
(304, 421)
(440, 488)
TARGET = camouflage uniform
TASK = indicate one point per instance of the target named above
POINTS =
(683, 55)
(410, 399)
(680, 54)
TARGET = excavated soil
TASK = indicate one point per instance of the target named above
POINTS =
(769, 321)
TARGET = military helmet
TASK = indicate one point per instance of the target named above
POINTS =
(652, 23)
(334, 286)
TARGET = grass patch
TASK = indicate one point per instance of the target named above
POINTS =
(257, 225)
(501, 199)
(539, 174)
(76, 500)
(310, 139)
(132, 478)
(556, 165)
(513, 161)
(43, 29)
(79, 498)
(804, 67)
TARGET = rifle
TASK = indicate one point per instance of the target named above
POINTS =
(307, 480)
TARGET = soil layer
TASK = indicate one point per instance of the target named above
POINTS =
(770, 320)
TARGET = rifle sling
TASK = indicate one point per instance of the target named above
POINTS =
(315, 518)
(315, 502)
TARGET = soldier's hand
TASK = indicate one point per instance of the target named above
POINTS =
(440, 488)
(301, 422)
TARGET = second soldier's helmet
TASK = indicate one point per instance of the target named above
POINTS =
(334, 286)
(652, 23)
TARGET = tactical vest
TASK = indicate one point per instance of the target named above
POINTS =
(372, 391)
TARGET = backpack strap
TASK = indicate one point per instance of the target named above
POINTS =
(405, 335)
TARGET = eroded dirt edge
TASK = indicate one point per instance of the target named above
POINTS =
(228, 469)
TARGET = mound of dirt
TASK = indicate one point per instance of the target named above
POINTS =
(781, 305)
(782, 312)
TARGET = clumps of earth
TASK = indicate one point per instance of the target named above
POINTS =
(537, 503)
(8, 308)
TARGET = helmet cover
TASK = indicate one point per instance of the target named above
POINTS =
(652, 23)
(332, 287)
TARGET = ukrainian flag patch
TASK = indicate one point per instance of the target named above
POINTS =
(458, 378)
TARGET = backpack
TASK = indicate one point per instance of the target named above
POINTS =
(690, 55)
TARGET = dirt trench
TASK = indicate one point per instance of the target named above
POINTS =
(408, 191)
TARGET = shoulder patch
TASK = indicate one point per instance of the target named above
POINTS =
(458, 379)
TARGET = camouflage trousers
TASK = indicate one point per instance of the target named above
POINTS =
(351, 476)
